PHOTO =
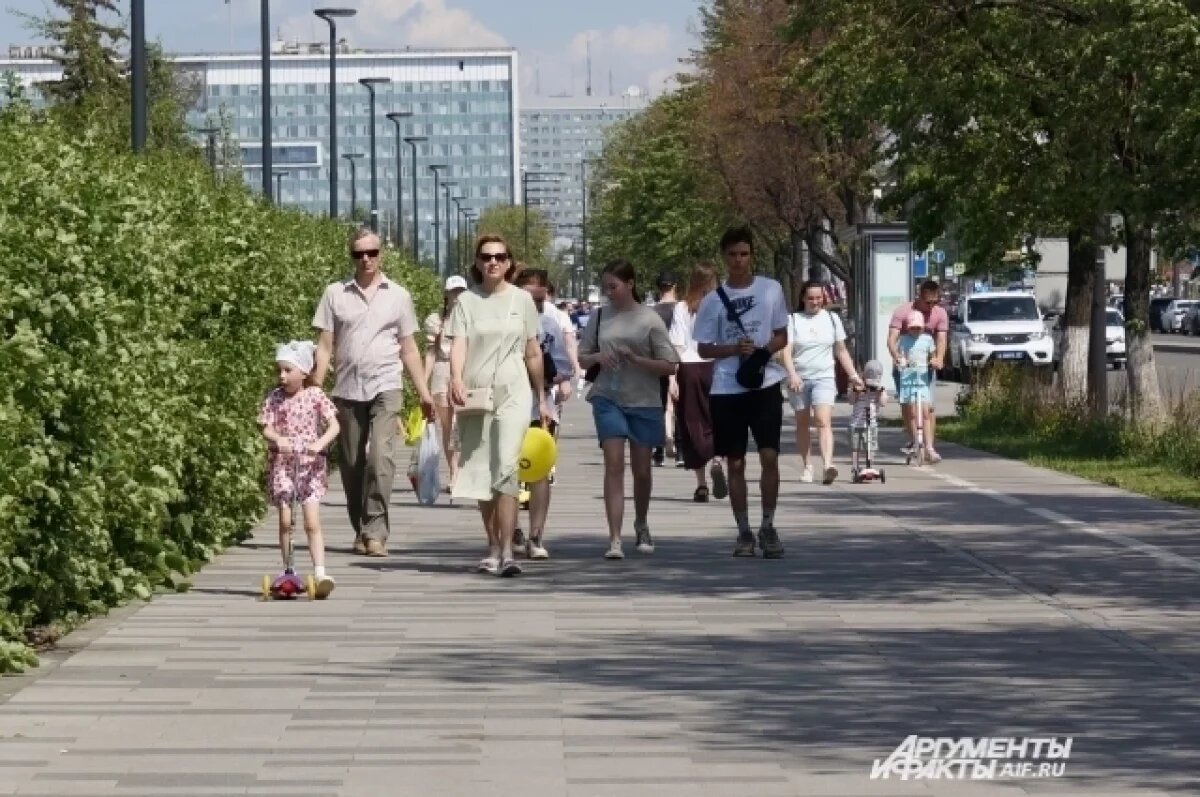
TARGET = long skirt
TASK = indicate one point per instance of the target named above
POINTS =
(694, 421)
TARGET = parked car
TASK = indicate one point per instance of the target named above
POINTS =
(1157, 305)
(1114, 338)
(1191, 322)
(997, 327)
(1172, 316)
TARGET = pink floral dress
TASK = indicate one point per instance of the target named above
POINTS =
(301, 418)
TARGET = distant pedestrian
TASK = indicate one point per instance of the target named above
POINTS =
(299, 423)
(665, 304)
(937, 324)
(916, 348)
(690, 388)
(741, 325)
(437, 368)
(494, 361)
(366, 325)
(629, 343)
(816, 342)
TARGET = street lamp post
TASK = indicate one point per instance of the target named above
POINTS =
(528, 177)
(210, 147)
(352, 157)
(437, 238)
(330, 15)
(458, 210)
(395, 117)
(267, 170)
(412, 141)
(137, 54)
(447, 186)
(279, 175)
(370, 83)
(469, 218)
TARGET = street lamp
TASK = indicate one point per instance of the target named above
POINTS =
(458, 211)
(267, 144)
(447, 186)
(437, 239)
(137, 57)
(468, 216)
(330, 15)
(395, 117)
(412, 141)
(352, 157)
(528, 177)
(370, 83)
(210, 150)
(279, 185)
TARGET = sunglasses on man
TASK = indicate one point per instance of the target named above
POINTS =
(359, 254)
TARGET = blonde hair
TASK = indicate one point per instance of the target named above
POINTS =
(701, 282)
(358, 233)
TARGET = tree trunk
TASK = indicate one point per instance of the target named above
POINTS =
(1144, 395)
(1077, 318)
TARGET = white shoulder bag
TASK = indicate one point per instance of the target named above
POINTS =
(482, 400)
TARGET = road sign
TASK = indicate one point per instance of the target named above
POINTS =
(938, 256)
(920, 268)
(960, 268)
(950, 272)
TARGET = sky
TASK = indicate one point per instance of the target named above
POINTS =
(640, 41)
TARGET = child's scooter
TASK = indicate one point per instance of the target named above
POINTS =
(918, 451)
(866, 445)
(289, 584)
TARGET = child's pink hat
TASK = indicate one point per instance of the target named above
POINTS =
(916, 320)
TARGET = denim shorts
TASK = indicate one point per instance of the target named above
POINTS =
(641, 426)
(814, 393)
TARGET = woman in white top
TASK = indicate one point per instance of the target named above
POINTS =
(690, 387)
(815, 337)
(437, 368)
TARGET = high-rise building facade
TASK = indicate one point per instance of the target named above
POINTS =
(464, 103)
(559, 136)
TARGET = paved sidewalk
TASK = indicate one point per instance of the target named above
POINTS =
(985, 598)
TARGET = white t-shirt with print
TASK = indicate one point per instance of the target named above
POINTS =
(552, 339)
(761, 309)
(813, 338)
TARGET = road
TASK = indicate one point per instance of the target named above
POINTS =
(983, 598)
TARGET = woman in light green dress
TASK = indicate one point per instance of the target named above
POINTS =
(494, 342)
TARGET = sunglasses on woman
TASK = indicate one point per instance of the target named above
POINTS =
(499, 257)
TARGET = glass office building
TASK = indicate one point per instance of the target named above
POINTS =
(558, 135)
(463, 102)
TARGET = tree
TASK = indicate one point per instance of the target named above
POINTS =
(654, 202)
(88, 52)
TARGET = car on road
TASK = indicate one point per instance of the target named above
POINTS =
(1173, 315)
(1114, 338)
(1191, 321)
(1157, 305)
(1005, 327)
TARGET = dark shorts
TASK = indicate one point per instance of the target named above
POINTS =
(641, 426)
(737, 416)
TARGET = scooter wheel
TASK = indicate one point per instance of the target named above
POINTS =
(266, 587)
(310, 587)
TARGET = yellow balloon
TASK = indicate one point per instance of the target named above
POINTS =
(538, 455)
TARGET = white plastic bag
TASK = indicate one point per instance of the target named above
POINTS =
(429, 456)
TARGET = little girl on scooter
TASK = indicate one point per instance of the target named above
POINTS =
(916, 348)
(299, 423)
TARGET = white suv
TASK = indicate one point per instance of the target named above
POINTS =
(998, 327)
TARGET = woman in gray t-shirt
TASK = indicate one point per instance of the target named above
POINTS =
(629, 343)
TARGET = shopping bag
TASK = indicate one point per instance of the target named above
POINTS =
(429, 458)
(413, 426)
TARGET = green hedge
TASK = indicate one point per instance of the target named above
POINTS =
(141, 303)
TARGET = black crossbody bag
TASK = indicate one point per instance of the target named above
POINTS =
(752, 371)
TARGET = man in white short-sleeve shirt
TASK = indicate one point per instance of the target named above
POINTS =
(366, 325)
(750, 323)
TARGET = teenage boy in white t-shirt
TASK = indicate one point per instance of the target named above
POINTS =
(752, 327)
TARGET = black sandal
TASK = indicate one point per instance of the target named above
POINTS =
(701, 495)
